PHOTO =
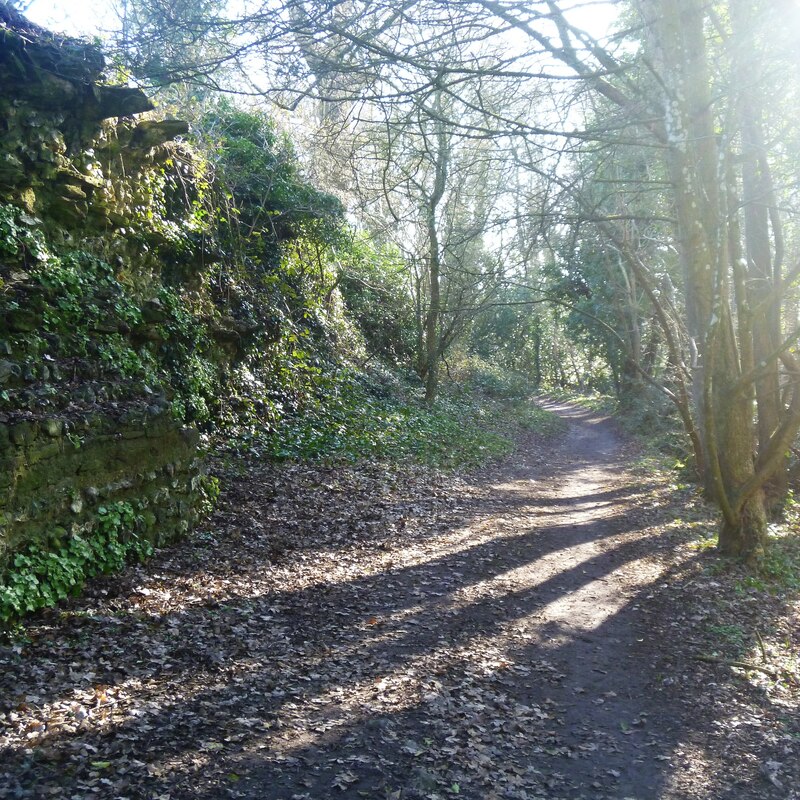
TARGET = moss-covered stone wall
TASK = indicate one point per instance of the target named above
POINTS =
(101, 314)
(55, 474)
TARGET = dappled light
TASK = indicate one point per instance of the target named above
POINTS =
(399, 401)
(500, 650)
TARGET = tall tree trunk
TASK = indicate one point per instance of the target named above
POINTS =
(441, 155)
(419, 332)
(694, 155)
(537, 354)
(434, 310)
(631, 383)
(757, 194)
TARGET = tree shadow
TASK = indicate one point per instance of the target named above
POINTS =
(214, 698)
(156, 639)
(277, 693)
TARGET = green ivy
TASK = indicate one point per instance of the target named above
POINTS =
(188, 356)
(349, 417)
(38, 577)
(20, 236)
(209, 489)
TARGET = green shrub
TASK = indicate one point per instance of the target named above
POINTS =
(353, 416)
(21, 239)
(374, 284)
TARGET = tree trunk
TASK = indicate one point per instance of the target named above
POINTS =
(537, 355)
(744, 538)
(724, 408)
(743, 531)
(757, 194)
(432, 318)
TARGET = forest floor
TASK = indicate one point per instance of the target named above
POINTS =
(532, 630)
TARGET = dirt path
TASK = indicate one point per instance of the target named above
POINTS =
(368, 636)
(500, 662)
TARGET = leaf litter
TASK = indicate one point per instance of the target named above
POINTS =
(527, 631)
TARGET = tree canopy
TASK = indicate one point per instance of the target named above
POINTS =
(613, 207)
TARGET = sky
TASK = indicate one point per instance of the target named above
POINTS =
(73, 17)
(93, 17)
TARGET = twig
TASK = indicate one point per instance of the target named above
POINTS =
(773, 673)
(761, 647)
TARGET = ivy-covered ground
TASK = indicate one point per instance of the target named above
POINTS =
(549, 626)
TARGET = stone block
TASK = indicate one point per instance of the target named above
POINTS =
(22, 434)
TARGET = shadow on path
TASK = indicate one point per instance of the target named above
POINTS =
(507, 657)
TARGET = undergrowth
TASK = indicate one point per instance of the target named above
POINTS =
(776, 572)
(779, 568)
(354, 417)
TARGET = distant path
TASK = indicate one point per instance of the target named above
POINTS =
(342, 634)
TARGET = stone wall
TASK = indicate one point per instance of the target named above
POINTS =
(88, 237)
(55, 474)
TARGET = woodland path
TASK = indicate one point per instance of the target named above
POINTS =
(352, 635)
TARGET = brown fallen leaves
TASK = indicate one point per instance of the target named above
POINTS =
(386, 632)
